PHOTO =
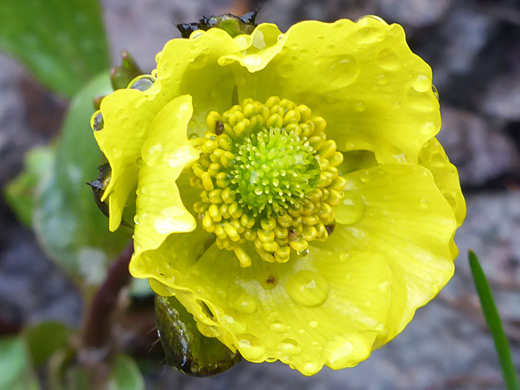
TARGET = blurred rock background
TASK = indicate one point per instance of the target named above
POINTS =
(473, 47)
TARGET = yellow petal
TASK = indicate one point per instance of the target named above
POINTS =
(257, 49)
(127, 114)
(374, 93)
(165, 153)
(397, 210)
(185, 66)
(310, 311)
(190, 66)
(446, 177)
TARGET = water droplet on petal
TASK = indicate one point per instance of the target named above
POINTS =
(142, 83)
(346, 70)
(308, 288)
(310, 368)
(428, 128)
(382, 79)
(424, 203)
(383, 286)
(277, 327)
(233, 325)
(387, 59)
(245, 304)
(350, 211)
(303, 252)
(340, 352)
(98, 123)
(313, 324)
(422, 83)
(359, 106)
(249, 351)
(290, 347)
(286, 70)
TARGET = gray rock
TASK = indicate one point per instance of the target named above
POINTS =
(503, 97)
(416, 13)
(478, 150)
(143, 26)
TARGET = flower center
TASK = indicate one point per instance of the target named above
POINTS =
(267, 174)
(273, 171)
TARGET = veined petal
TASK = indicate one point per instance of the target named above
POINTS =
(398, 211)
(374, 93)
(257, 49)
(308, 312)
(190, 66)
(185, 66)
(165, 153)
(127, 114)
(446, 177)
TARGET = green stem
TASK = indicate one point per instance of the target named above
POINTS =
(494, 323)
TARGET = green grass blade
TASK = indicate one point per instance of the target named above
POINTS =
(494, 323)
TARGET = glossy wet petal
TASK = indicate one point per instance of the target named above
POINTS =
(398, 211)
(374, 93)
(258, 48)
(165, 153)
(189, 66)
(127, 114)
(310, 312)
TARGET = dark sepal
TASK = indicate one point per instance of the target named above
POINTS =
(121, 75)
(185, 347)
(233, 25)
(99, 185)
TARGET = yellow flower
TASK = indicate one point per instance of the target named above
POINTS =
(290, 189)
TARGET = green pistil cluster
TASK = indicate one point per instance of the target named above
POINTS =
(267, 174)
(273, 171)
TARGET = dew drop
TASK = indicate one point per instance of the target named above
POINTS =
(286, 70)
(308, 288)
(277, 327)
(290, 347)
(309, 368)
(424, 203)
(303, 252)
(166, 224)
(359, 106)
(428, 128)
(365, 177)
(252, 60)
(387, 59)
(422, 83)
(382, 79)
(249, 351)
(98, 123)
(344, 256)
(367, 35)
(339, 351)
(351, 211)
(117, 152)
(383, 286)
(142, 83)
(313, 324)
(346, 71)
(245, 304)
(233, 325)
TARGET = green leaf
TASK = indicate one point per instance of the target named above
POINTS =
(185, 347)
(15, 367)
(494, 323)
(44, 339)
(71, 229)
(20, 193)
(125, 375)
(61, 42)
